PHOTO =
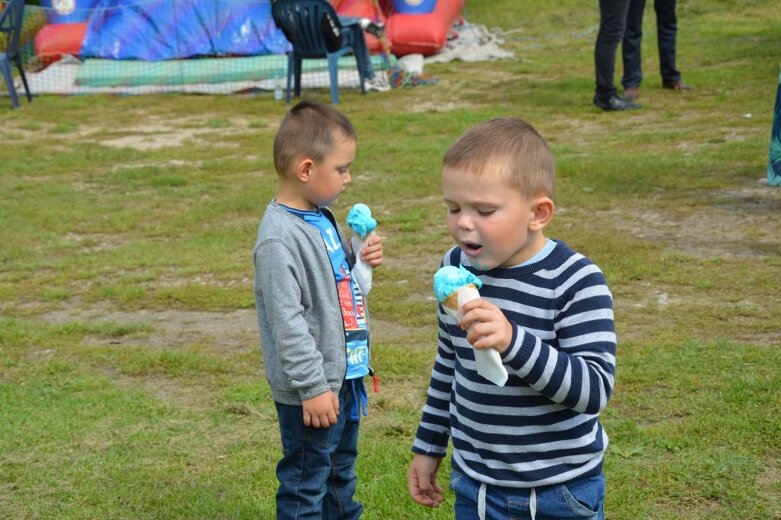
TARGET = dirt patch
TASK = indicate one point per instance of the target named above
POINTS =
(769, 481)
(433, 106)
(156, 134)
(167, 390)
(743, 224)
(93, 242)
(154, 138)
(235, 331)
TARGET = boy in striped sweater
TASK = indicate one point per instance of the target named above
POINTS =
(534, 447)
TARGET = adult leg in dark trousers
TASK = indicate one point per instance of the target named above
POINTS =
(631, 48)
(667, 29)
(612, 22)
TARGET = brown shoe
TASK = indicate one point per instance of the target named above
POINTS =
(676, 85)
(631, 93)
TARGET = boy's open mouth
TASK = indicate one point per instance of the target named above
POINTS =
(471, 249)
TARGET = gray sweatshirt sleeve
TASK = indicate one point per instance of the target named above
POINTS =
(279, 280)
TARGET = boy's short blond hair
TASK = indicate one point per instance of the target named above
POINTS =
(310, 129)
(510, 147)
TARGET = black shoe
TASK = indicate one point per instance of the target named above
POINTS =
(616, 103)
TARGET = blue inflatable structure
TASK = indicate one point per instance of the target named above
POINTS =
(154, 30)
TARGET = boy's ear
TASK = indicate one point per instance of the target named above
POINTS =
(543, 213)
(303, 171)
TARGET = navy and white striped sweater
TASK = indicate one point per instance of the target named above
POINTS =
(542, 427)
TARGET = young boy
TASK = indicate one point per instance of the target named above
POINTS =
(534, 447)
(311, 315)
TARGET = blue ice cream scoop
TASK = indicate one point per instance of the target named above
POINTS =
(449, 279)
(360, 220)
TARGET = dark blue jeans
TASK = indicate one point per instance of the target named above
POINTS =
(317, 471)
(612, 22)
(582, 498)
(774, 163)
(666, 30)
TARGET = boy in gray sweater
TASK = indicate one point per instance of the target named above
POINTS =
(312, 316)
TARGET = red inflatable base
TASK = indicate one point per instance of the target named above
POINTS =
(56, 39)
(423, 33)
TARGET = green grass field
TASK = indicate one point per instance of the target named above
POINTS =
(131, 381)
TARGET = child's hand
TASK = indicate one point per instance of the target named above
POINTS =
(321, 411)
(485, 325)
(372, 253)
(422, 480)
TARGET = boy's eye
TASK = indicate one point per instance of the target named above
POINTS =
(452, 210)
(485, 212)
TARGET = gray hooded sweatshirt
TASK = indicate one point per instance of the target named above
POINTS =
(299, 316)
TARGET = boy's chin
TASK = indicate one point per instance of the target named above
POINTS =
(480, 264)
(325, 202)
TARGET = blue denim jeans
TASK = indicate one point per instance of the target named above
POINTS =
(317, 471)
(583, 499)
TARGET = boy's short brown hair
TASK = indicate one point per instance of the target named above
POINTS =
(310, 130)
(511, 147)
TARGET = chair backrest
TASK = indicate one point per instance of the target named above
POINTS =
(307, 24)
(11, 25)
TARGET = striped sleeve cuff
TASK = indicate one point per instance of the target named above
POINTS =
(520, 356)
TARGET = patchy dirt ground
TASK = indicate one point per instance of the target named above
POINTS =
(235, 331)
(743, 224)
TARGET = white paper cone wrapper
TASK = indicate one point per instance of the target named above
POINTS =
(362, 272)
(488, 361)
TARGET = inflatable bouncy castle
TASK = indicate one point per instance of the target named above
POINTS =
(103, 29)
(162, 45)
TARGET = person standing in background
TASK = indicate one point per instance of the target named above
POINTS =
(666, 30)
(612, 23)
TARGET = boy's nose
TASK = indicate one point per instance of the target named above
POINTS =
(465, 221)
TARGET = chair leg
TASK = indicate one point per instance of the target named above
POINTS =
(361, 75)
(9, 82)
(18, 60)
(297, 72)
(333, 73)
(290, 67)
